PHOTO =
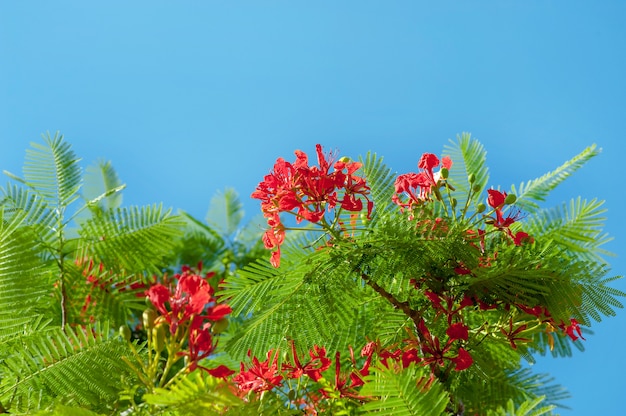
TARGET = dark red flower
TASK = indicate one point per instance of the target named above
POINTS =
(572, 329)
(521, 237)
(221, 371)
(463, 360)
(458, 331)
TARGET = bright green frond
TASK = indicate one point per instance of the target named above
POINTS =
(21, 207)
(468, 157)
(24, 279)
(225, 212)
(498, 389)
(135, 239)
(381, 180)
(534, 191)
(81, 365)
(576, 227)
(195, 394)
(527, 408)
(52, 170)
(409, 393)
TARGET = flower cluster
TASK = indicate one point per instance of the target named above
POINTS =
(418, 187)
(261, 376)
(189, 311)
(308, 192)
(442, 337)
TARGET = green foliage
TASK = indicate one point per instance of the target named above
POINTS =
(530, 193)
(528, 408)
(376, 272)
(52, 354)
(62, 363)
(469, 157)
(417, 291)
(411, 392)
(195, 394)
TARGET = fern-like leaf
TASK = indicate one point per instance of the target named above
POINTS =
(577, 228)
(534, 191)
(80, 365)
(24, 280)
(52, 170)
(135, 239)
(527, 408)
(102, 187)
(380, 179)
(194, 394)
(468, 157)
(408, 393)
(225, 212)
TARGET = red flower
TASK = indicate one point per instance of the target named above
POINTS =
(418, 186)
(221, 371)
(191, 296)
(308, 192)
(512, 334)
(410, 356)
(458, 331)
(346, 385)
(496, 200)
(521, 237)
(463, 361)
(319, 362)
(572, 329)
(200, 342)
(261, 376)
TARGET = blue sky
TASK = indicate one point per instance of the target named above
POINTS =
(190, 97)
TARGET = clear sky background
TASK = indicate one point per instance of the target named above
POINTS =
(186, 98)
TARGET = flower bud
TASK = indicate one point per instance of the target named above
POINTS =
(480, 208)
(124, 332)
(453, 202)
(476, 188)
(219, 326)
(158, 338)
(149, 315)
(510, 199)
(471, 178)
(292, 394)
(444, 173)
(344, 159)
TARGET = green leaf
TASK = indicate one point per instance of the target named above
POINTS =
(225, 212)
(53, 171)
(534, 191)
(468, 157)
(102, 187)
(81, 365)
(412, 392)
(194, 394)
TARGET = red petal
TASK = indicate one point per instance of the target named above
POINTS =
(428, 161)
(220, 372)
(496, 198)
(463, 360)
